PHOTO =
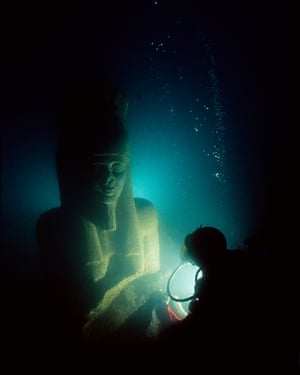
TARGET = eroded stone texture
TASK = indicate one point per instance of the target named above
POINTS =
(100, 249)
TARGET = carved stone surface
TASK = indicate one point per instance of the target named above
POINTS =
(100, 249)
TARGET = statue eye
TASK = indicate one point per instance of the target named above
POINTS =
(118, 168)
(100, 170)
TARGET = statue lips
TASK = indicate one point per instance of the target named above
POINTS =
(108, 192)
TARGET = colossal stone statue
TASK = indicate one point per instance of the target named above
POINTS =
(99, 250)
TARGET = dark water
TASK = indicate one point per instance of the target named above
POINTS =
(203, 137)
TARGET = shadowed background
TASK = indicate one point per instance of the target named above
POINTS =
(206, 149)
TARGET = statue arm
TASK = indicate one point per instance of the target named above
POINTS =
(148, 223)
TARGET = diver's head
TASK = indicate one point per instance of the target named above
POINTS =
(204, 247)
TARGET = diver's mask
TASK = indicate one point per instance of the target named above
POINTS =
(184, 281)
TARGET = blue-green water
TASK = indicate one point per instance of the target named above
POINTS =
(208, 146)
(198, 120)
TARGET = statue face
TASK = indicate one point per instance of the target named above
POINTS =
(109, 176)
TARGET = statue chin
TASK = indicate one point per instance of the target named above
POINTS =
(108, 199)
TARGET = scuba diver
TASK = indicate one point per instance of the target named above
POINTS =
(228, 323)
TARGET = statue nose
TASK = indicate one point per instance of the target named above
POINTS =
(109, 180)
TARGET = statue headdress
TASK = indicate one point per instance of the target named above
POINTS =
(91, 119)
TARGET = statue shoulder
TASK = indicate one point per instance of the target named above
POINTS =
(146, 211)
(50, 218)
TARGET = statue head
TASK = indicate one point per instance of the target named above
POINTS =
(93, 148)
(108, 177)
